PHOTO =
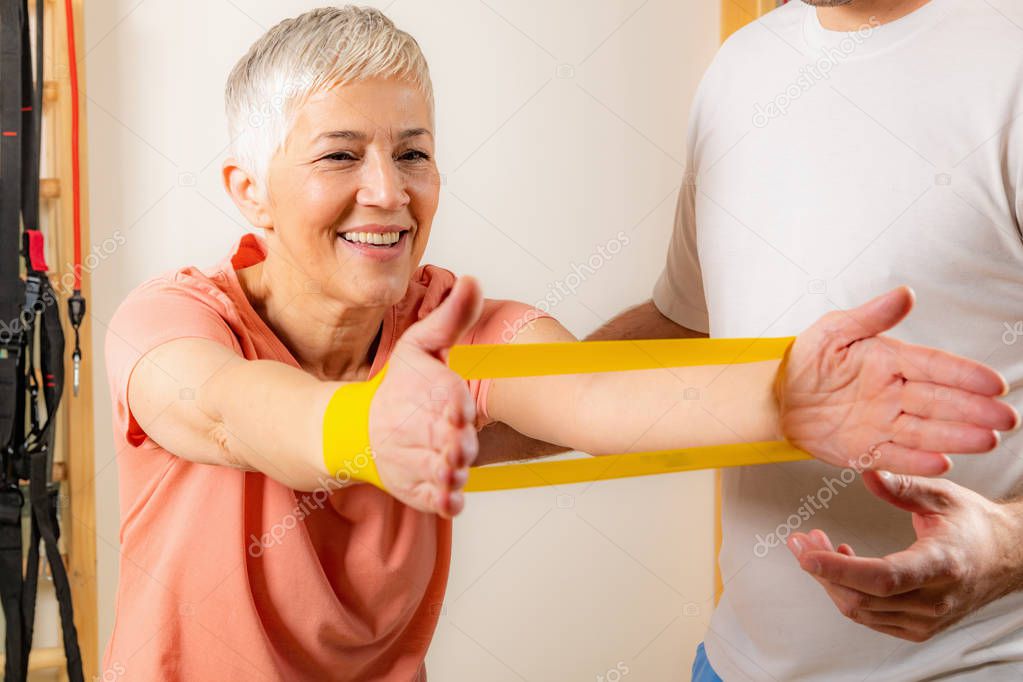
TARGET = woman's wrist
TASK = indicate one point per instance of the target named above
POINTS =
(778, 393)
(347, 452)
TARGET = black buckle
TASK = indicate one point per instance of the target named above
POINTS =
(33, 292)
(11, 502)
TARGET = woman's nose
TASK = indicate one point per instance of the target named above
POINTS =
(383, 184)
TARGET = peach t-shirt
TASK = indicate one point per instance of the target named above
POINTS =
(230, 575)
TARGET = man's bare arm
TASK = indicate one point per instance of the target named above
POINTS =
(501, 443)
(643, 321)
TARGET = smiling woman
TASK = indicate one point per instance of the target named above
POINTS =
(351, 195)
(246, 551)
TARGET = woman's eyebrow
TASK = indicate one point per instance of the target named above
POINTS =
(360, 136)
(343, 134)
(413, 132)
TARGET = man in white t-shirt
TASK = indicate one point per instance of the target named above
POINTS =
(837, 150)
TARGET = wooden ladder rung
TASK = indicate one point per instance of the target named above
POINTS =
(43, 658)
(49, 188)
(51, 92)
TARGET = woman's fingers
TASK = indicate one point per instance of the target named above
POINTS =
(457, 439)
(945, 403)
(900, 459)
(936, 419)
(942, 436)
(453, 414)
(456, 503)
(920, 363)
(874, 317)
(447, 468)
(470, 446)
(448, 322)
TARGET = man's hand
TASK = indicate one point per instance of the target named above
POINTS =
(967, 554)
(422, 419)
(853, 398)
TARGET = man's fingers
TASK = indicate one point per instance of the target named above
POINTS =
(913, 615)
(914, 603)
(896, 574)
(846, 599)
(920, 363)
(822, 539)
(944, 403)
(903, 460)
(940, 436)
(900, 633)
(913, 627)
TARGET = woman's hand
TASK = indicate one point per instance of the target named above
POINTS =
(422, 418)
(853, 398)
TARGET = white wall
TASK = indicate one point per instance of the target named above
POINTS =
(560, 123)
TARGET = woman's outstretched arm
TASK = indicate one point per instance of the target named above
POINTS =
(500, 442)
(847, 392)
(203, 402)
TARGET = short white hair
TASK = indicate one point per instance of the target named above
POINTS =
(318, 50)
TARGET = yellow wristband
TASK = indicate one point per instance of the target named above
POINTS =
(346, 447)
(780, 376)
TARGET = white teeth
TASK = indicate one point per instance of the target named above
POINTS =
(378, 238)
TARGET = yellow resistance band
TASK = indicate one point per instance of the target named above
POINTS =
(525, 360)
(346, 449)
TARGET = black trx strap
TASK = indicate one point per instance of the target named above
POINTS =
(28, 308)
(11, 297)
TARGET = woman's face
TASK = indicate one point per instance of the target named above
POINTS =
(353, 191)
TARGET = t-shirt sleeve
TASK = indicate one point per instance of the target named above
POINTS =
(1016, 144)
(499, 322)
(679, 293)
(149, 317)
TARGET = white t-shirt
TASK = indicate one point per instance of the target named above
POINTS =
(827, 168)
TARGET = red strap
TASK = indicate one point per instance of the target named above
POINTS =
(75, 164)
(36, 250)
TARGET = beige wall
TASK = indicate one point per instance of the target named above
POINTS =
(561, 124)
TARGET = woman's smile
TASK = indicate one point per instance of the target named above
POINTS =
(380, 242)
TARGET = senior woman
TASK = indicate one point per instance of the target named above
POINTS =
(244, 556)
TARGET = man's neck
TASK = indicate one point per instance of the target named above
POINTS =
(860, 13)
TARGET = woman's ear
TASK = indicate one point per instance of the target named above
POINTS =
(246, 193)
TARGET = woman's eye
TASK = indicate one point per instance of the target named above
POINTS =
(340, 156)
(414, 155)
